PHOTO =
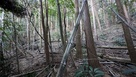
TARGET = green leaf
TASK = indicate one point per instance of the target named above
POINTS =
(1, 28)
(98, 72)
(91, 73)
(90, 69)
(96, 69)
(99, 75)
(79, 74)
(131, 70)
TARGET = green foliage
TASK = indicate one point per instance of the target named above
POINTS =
(63, 3)
(1, 29)
(52, 11)
(8, 30)
(131, 70)
(87, 71)
(14, 7)
(128, 2)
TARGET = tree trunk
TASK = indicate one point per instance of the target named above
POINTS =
(96, 14)
(65, 26)
(126, 13)
(50, 40)
(3, 73)
(93, 14)
(60, 25)
(40, 28)
(15, 39)
(78, 34)
(47, 30)
(127, 34)
(105, 14)
(45, 34)
(1, 57)
(69, 45)
(91, 52)
(28, 33)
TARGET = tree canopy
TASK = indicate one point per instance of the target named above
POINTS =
(14, 7)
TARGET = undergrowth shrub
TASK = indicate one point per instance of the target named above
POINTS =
(87, 71)
(130, 70)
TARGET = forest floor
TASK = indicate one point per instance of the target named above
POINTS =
(110, 47)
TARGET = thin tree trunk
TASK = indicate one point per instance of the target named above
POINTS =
(40, 29)
(56, 23)
(45, 34)
(65, 26)
(126, 13)
(47, 31)
(93, 14)
(28, 33)
(60, 25)
(1, 57)
(91, 51)
(78, 34)
(127, 34)
(70, 45)
(50, 40)
(67, 21)
(105, 14)
(28, 29)
(15, 39)
(1, 49)
(51, 46)
(41, 32)
(96, 14)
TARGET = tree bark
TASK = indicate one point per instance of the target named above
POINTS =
(93, 14)
(126, 13)
(60, 25)
(28, 33)
(1, 58)
(47, 31)
(50, 40)
(78, 34)
(15, 39)
(91, 52)
(45, 34)
(96, 14)
(65, 27)
(1, 49)
(127, 34)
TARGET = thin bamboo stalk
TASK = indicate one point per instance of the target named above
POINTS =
(70, 43)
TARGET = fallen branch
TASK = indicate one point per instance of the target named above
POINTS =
(41, 71)
(117, 47)
(25, 73)
(118, 59)
(111, 71)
